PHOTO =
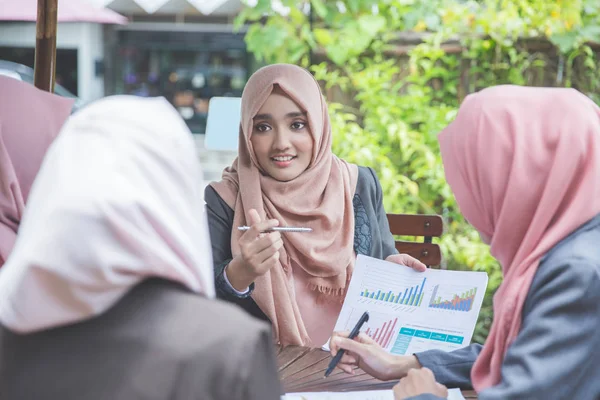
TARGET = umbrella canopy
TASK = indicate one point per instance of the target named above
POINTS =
(68, 11)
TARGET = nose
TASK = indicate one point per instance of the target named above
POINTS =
(281, 140)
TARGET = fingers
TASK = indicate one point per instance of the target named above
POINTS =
(349, 359)
(338, 342)
(271, 239)
(333, 347)
(253, 217)
(409, 261)
(349, 369)
(257, 225)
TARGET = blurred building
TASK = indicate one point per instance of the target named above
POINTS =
(185, 50)
(79, 43)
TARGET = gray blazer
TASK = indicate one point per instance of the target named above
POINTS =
(159, 342)
(556, 353)
(372, 235)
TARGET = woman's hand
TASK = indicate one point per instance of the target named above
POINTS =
(365, 353)
(409, 261)
(259, 252)
(417, 382)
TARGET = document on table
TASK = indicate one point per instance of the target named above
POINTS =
(409, 311)
(453, 394)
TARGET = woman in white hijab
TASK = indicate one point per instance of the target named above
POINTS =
(108, 291)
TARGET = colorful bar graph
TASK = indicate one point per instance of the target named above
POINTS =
(459, 302)
(383, 334)
(412, 296)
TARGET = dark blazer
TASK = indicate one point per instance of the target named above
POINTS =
(159, 342)
(555, 354)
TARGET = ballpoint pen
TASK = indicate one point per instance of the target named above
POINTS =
(338, 356)
(280, 229)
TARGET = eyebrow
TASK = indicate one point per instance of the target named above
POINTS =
(288, 115)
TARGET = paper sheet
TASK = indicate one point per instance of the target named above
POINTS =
(411, 311)
(453, 394)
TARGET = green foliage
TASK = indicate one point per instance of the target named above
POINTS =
(395, 105)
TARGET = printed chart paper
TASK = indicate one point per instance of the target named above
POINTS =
(409, 311)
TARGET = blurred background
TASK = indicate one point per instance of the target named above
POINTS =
(394, 73)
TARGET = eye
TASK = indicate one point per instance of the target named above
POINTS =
(298, 125)
(262, 127)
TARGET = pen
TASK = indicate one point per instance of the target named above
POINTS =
(280, 229)
(338, 356)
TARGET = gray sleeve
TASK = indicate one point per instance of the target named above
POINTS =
(387, 240)
(425, 396)
(263, 380)
(555, 354)
(452, 369)
(220, 223)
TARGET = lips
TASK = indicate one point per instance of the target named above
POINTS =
(283, 161)
(283, 158)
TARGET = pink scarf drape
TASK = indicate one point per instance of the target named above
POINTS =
(30, 119)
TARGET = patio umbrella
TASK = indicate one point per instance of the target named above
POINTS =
(46, 14)
(45, 45)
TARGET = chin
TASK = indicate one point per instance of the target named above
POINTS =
(284, 177)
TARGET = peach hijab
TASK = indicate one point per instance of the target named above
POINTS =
(524, 165)
(320, 198)
(30, 119)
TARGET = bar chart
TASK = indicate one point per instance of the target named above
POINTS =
(383, 334)
(461, 301)
(412, 296)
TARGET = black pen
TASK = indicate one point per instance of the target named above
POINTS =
(338, 356)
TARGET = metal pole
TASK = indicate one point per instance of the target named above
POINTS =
(45, 45)
(310, 22)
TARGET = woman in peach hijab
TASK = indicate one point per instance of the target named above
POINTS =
(30, 119)
(287, 175)
(524, 165)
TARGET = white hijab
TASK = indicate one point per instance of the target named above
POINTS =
(118, 199)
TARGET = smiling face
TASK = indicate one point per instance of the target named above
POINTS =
(281, 138)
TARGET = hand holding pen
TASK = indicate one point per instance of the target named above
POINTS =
(259, 252)
(368, 355)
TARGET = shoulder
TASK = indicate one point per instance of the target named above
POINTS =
(366, 176)
(214, 201)
(368, 188)
(182, 320)
(571, 270)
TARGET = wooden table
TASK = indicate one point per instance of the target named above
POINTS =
(301, 369)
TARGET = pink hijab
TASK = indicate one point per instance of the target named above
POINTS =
(117, 200)
(524, 165)
(320, 198)
(30, 119)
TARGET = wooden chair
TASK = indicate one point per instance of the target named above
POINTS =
(426, 226)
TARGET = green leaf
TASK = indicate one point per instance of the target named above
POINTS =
(371, 24)
(297, 17)
(337, 54)
(591, 33)
(323, 36)
(319, 8)
(565, 41)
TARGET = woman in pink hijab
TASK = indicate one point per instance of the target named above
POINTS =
(30, 119)
(109, 292)
(524, 165)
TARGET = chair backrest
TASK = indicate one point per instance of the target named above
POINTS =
(426, 226)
